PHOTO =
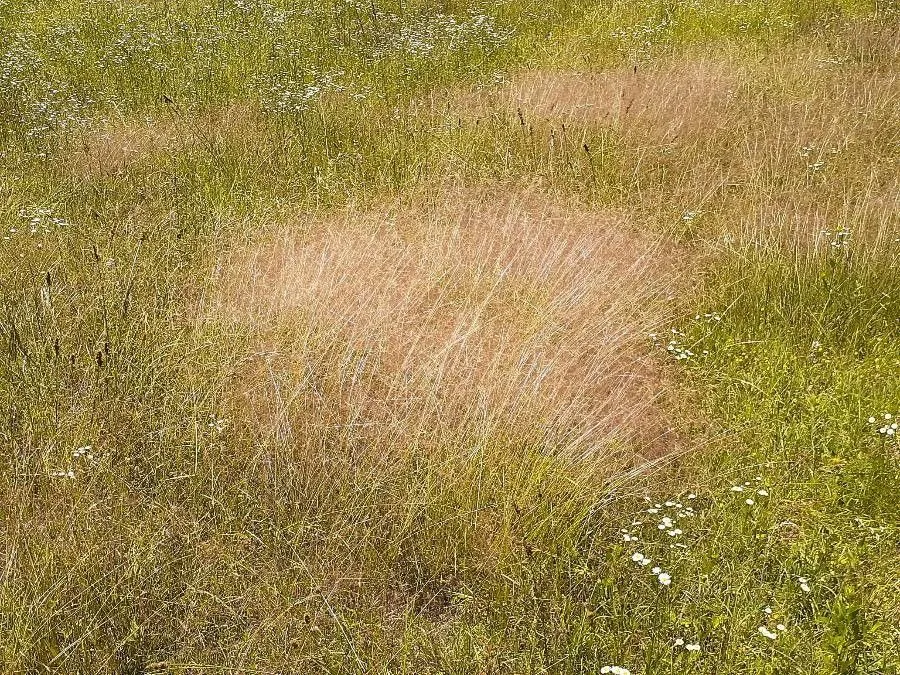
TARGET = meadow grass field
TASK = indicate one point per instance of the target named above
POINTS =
(469, 336)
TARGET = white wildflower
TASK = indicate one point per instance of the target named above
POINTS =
(765, 632)
(615, 670)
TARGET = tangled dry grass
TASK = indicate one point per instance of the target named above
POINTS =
(481, 312)
(664, 100)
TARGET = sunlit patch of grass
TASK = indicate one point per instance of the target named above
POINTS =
(349, 358)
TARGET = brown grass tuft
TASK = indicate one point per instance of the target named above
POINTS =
(484, 313)
(664, 101)
(118, 144)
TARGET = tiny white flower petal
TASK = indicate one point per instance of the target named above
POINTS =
(781, 626)
(749, 502)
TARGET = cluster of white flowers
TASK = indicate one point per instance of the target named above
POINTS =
(218, 425)
(39, 222)
(435, 31)
(754, 490)
(839, 239)
(691, 647)
(640, 559)
(885, 426)
(85, 453)
(667, 524)
(639, 39)
(765, 632)
(764, 629)
(288, 95)
(36, 101)
(815, 167)
(615, 670)
(268, 13)
(709, 317)
(689, 216)
(676, 349)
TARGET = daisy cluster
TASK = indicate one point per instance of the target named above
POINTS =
(885, 425)
(839, 239)
(752, 490)
(431, 32)
(83, 455)
(35, 225)
(676, 347)
(288, 95)
(670, 517)
(34, 99)
(668, 514)
(772, 627)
